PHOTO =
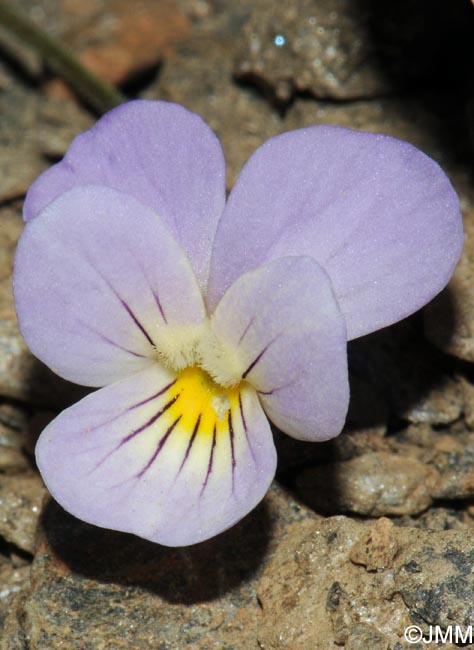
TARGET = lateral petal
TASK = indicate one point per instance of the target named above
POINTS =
(286, 327)
(97, 276)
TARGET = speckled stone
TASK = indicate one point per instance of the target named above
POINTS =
(313, 596)
(374, 484)
(449, 319)
(341, 49)
(21, 501)
(377, 548)
(32, 128)
(435, 578)
(322, 47)
(440, 518)
(12, 634)
(396, 475)
(96, 589)
(12, 581)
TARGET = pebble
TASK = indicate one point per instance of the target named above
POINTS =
(373, 484)
(21, 501)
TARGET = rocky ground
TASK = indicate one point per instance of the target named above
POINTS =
(359, 537)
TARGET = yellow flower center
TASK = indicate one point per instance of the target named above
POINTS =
(199, 398)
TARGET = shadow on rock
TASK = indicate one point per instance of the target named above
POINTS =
(427, 40)
(48, 390)
(178, 575)
(449, 322)
(425, 47)
(395, 375)
(397, 378)
(394, 371)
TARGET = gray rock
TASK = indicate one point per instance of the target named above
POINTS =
(313, 596)
(435, 578)
(373, 484)
(12, 581)
(14, 439)
(439, 518)
(449, 319)
(21, 501)
(340, 49)
(449, 454)
(320, 47)
(13, 636)
(363, 636)
(31, 128)
(94, 588)
(441, 404)
(377, 548)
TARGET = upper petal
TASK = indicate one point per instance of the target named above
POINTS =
(159, 153)
(147, 456)
(286, 327)
(97, 277)
(379, 215)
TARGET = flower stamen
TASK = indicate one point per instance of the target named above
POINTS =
(182, 346)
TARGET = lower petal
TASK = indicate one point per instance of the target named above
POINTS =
(169, 457)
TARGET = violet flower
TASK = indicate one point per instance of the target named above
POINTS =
(199, 319)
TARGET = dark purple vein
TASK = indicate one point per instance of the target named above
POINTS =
(155, 396)
(122, 302)
(232, 449)
(257, 359)
(120, 347)
(153, 292)
(134, 433)
(106, 339)
(160, 307)
(190, 444)
(148, 424)
(244, 424)
(159, 447)
(130, 408)
(244, 333)
(211, 459)
(271, 391)
(134, 318)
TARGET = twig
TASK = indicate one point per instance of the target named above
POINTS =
(98, 94)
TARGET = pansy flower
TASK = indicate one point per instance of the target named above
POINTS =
(200, 320)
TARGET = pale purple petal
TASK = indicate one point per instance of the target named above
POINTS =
(378, 215)
(97, 275)
(158, 152)
(130, 457)
(286, 325)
